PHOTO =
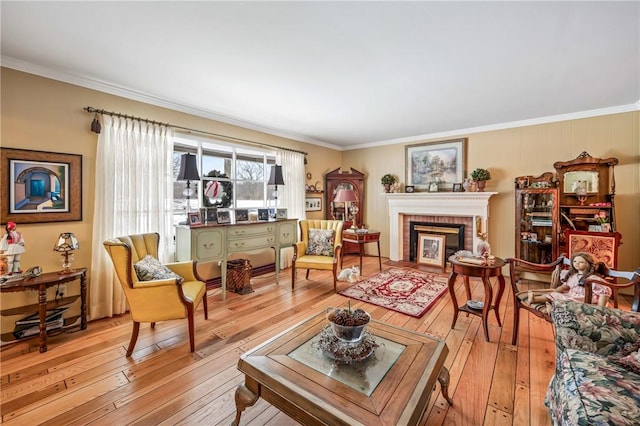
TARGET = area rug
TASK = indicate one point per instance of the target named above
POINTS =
(407, 291)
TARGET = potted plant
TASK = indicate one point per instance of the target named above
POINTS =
(388, 180)
(481, 176)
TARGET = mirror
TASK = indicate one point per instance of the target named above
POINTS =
(580, 182)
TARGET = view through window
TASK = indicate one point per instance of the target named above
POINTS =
(232, 178)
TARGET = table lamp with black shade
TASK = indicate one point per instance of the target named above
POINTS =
(188, 172)
(275, 178)
(67, 242)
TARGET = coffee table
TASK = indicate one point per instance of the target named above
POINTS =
(391, 387)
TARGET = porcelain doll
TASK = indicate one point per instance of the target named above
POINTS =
(12, 247)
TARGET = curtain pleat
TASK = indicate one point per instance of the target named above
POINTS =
(293, 192)
(134, 194)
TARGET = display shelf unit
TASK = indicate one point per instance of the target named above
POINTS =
(536, 218)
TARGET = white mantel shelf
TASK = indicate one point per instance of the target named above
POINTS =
(465, 204)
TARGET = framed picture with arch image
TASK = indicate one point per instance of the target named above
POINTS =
(40, 186)
(431, 248)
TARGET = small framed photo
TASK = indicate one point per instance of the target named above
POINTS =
(242, 215)
(194, 218)
(224, 216)
(272, 213)
(409, 189)
(212, 215)
(431, 249)
(457, 187)
(281, 213)
(313, 204)
(433, 187)
(595, 228)
(263, 214)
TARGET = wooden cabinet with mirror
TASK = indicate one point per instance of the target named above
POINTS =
(352, 212)
(586, 194)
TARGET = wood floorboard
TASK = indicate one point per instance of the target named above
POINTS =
(85, 378)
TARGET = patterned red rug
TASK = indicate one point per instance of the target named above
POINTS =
(407, 291)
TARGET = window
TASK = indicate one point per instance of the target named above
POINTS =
(231, 177)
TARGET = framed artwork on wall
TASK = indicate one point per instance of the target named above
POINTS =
(39, 186)
(313, 204)
(431, 249)
(442, 162)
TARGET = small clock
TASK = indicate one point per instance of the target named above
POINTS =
(409, 189)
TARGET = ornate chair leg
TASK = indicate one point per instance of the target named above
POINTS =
(443, 378)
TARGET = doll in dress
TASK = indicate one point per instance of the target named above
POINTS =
(572, 282)
(12, 247)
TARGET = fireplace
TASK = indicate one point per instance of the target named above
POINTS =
(453, 236)
(470, 209)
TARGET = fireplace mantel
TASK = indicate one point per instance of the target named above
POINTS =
(466, 204)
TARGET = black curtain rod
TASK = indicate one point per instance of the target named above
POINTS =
(93, 110)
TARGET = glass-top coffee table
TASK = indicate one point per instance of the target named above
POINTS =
(391, 386)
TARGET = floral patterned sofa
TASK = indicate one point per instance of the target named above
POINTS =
(597, 376)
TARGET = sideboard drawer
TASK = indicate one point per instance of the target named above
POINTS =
(242, 244)
(250, 231)
(209, 244)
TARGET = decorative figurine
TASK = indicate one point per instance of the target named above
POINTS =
(12, 247)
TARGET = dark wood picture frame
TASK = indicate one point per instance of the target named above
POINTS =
(64, 171)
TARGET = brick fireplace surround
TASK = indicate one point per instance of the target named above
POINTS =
(468, 208)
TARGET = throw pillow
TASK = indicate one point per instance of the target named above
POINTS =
(150, 268)
(320, 242)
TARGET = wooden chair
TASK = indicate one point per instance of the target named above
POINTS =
(603, 246)
(330, 256)
(157, 299)
(616, 280)
(520, 295)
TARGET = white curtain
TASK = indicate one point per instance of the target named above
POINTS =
(292, 194)
(133, 194)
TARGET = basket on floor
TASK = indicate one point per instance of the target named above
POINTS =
(239, 276)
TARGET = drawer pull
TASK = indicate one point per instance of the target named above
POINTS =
(208, 246)
(239, 244)
(286, 234)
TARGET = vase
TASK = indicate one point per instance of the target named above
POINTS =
(481, 184)
(387, 187)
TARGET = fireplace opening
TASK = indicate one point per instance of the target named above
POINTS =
(453, 233)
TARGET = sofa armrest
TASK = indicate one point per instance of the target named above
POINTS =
(593, 328)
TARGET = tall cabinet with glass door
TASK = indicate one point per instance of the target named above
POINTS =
(536, 218)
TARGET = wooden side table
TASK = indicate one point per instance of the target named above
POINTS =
(482, 271)
(361, 238)
(40, 284)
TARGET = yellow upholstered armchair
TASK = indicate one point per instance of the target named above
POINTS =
(163, 292)
(319, 248)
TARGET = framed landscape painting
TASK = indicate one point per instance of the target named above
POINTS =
(442, 163)
(39, 187)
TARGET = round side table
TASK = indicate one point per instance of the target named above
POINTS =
(484, 272)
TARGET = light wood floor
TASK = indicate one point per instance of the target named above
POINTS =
(84, 378)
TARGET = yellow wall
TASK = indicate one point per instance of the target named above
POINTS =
(46, 115)
(529, 150)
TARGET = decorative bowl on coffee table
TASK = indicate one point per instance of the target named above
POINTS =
(348, 325)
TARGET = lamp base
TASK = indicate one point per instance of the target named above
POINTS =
(66, 264)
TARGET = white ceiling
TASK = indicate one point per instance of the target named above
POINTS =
(341, 74)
